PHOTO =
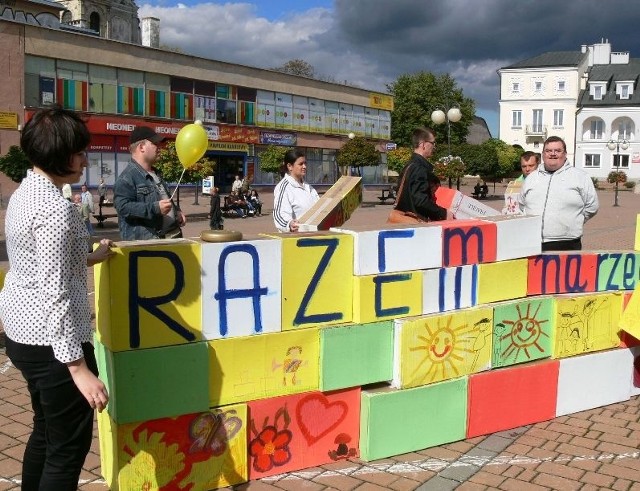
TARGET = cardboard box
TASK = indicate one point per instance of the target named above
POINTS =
(594, 380)
(295, 432)
(395, 422)
(204, 450)
(335, 206)
(461, 205)
(512, 397)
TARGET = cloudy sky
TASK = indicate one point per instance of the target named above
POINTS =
(369, 43)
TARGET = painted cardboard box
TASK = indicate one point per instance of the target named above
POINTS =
(523, 331)
(150, 383)
(445, 289)
(503, 280)
(198, 451)
(260, 367)
(594, 380)
(395, 422)
(512, 397)
(517, 235)
(335, 206)
(433, 348)
(355, 355)
(148, 295)
(317, 272)
(586, 323)
(386, 296)
(304, 430)
(397, 247)
(241, 287)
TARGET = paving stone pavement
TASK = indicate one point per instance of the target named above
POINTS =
(595, 449)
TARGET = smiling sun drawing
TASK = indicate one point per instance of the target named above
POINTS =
(521, 337)
(446, 349)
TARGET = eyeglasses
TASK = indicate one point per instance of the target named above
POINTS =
(553, 150)
(430, 141)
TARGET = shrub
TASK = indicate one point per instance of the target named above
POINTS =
(617, 176)
(630, 184)
(596, 184)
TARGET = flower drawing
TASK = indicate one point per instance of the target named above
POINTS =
(270, 448)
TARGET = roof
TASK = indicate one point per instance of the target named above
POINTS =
(627, 72)
(49, 3)
(550, 59)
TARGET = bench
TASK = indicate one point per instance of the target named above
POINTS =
(387, 194)
(101, 216)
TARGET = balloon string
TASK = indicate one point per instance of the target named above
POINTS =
(178, 185)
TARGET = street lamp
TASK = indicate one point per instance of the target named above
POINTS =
(452, 115)
(616, 145)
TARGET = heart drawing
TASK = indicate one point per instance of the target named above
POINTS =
(316, 416)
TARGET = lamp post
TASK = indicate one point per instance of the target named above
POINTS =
(616, 145)
(452, 115)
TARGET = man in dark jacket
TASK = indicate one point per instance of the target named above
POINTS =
(142, 200)
(416, 193)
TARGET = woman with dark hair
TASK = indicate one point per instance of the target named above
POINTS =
(292, 196)
(44, 306)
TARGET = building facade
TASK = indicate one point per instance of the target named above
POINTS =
(118, 85)
(596, 114)
(538, 99)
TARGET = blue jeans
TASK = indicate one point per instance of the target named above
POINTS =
(62, 419)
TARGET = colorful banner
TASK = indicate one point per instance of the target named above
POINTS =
(130, 100)
(72, 94)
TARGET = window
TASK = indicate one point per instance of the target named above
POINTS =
(624, 130)
(621, 161)
(538, 86)
(558, 118)
(597, 92)
(94, 21)
(592, 160)
(561, 85)
(516, 119)
(537, 121)
(624, 91)
(596, 130)
(515, 87)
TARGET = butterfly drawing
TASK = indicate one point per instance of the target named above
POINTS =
(212, 430)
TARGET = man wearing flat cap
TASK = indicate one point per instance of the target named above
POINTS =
(141, 197)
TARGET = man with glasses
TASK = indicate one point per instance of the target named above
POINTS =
(562, 194)
(141, 197)
(417, 196)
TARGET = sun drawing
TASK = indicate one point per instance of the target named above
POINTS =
(523, 334)
(445, 348)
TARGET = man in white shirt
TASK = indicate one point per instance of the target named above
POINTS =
(562, 194)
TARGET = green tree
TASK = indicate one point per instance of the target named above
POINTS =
(416, 96)
(14, 164)
(169, 167)
(297, 67)
(272, 158)
(398, 158)
(357, 153)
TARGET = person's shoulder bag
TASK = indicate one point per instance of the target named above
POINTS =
(399, 216)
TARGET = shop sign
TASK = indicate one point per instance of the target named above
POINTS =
(274, 138)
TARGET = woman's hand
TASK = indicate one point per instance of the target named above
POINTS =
(102, 253)
(88, 384)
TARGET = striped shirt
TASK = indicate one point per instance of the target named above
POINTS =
(290, 200)
(44, 299)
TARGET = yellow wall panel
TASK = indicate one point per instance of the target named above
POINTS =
(503, 280)
(154, 296)
(269, 365)
(387, 296)
(439, 347)
(586, 323)
(316, 279)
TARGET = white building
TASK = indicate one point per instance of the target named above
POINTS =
(586, 97)
(538, 99)
(609, 112)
